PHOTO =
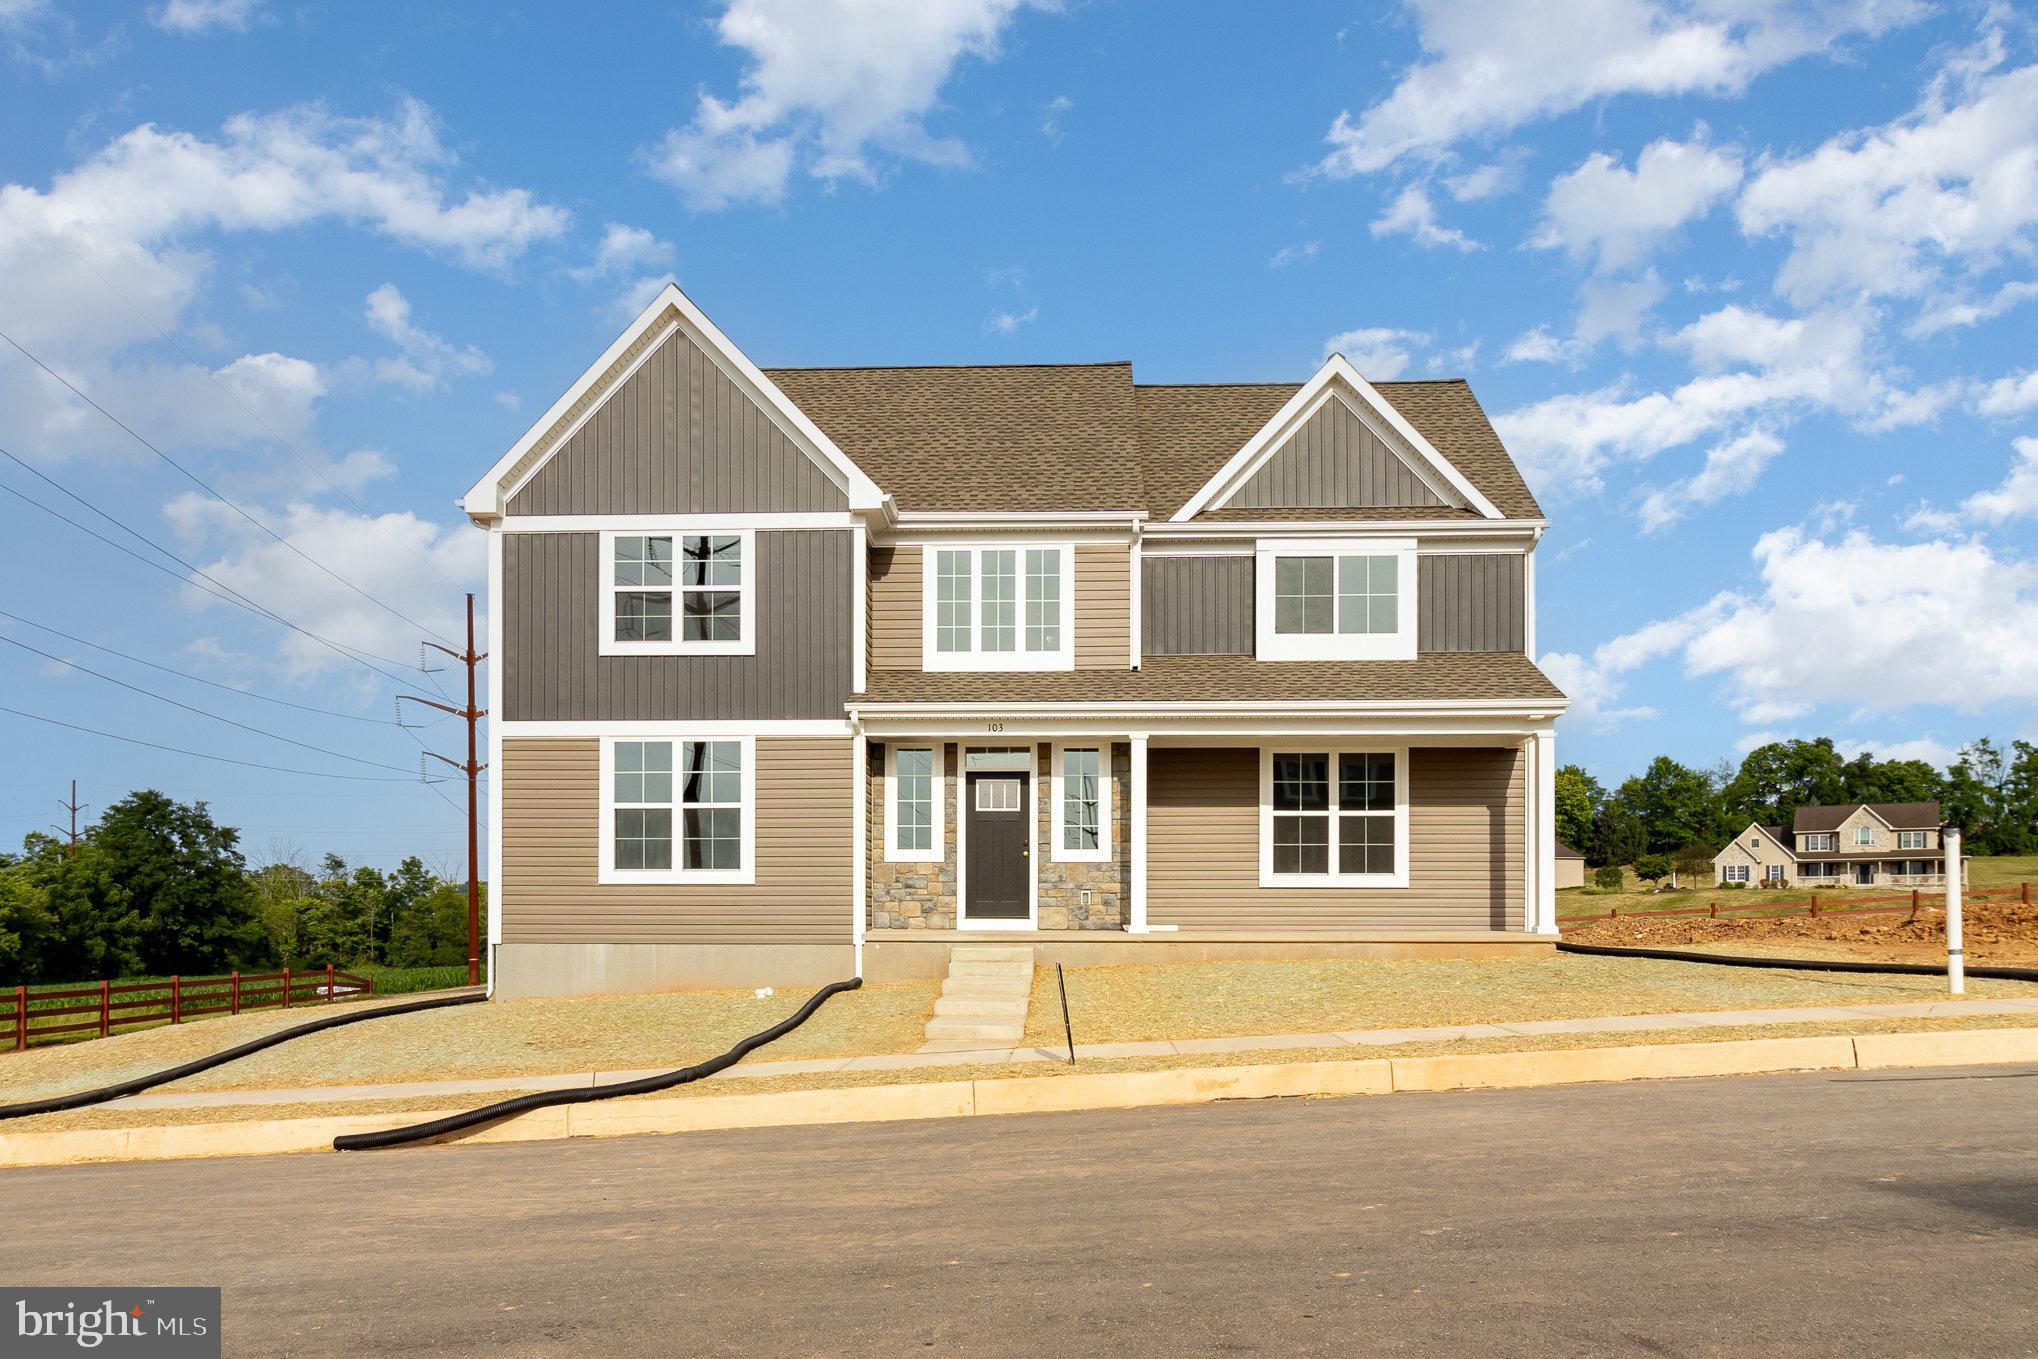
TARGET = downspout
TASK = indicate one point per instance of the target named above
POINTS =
(859, 746)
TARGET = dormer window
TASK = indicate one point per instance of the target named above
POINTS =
(1864, 835)
(1819, 843)
(998, 606)
(677, 593)
(1336, 599)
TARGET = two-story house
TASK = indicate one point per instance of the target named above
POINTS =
(1867, 844)
(811, 671)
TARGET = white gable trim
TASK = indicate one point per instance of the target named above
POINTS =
(1790, 849)
(1375, 409)
(669, 311)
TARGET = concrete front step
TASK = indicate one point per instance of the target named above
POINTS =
(956, 1030)
(1009, 987)
(985, 997)
(990, 967)
(985, 1009)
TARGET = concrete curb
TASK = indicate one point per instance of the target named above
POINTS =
(1056, 1094)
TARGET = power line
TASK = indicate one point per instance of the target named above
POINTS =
(205, 486)
(202, 755)
(200, 679)
(221, 590)
(164, 698)
(228, 392)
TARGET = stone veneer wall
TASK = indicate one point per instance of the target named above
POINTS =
(911, 896)
(922, 896)
(1109, 882)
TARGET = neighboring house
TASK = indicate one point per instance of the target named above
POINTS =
(1570, 867)
(812, 671)
(1868, 844)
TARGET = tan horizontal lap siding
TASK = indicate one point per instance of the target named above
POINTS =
(1464, 848)
(551, 848)
(895, 608)
(1103, 606)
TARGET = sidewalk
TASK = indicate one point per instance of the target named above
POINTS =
(199, 1099)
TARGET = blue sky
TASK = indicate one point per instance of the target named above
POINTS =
(1747, 285)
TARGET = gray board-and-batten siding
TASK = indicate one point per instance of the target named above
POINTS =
(553, 670)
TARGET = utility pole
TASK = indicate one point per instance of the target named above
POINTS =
(73, 807)
(472, 769)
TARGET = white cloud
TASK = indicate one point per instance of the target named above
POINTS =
(1949, 189)
(625, 305)
(1855, 623)
(378, 554)
(1412, 214)
(1005, 322)
(1615, 309)
(1540, 344)
(2016, 497)
(426, 362)
(624, 248)
(2013, 395)
(1050, 120)
(1930, 749)
(510, 401)
(829, 83)
(1294, 254)
(200, 16)
(1380, 353)
(1604, 210)
(1970, 311)
(1491, 180)
(1489, 67)
(1731, 468)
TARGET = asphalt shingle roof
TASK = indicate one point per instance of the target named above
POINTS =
(1221, 679)
(1901, 815)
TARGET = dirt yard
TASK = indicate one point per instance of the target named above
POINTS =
(2002, 933)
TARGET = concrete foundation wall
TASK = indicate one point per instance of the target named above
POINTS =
(524, 970)
(910, 957)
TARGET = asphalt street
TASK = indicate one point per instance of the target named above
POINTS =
(1850, 1214)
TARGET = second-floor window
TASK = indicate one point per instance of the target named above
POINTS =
(1351, 599)
(998, 607)
(1864, 835)
(1819, 843)
(1911, 840)
(677, 593)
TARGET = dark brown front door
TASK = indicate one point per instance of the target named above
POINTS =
(1000, 870)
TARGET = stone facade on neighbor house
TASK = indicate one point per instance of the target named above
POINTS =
(1291, 626)
(1893, 844)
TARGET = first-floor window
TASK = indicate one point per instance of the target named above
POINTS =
(1333, 815)
(1773, 873)
(1082, 813)
(1735, 873)
(677, 809)
(914, 805)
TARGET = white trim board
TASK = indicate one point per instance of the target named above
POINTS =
(668, 311)
(1336, 375)
(745, 875)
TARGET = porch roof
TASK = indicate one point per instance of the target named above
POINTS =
(1433, 676)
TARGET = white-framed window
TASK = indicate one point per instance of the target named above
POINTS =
(1082, 790)
(1864, 834)
(1773, 873)
(1754, 842)
(678, 593)
(1333, 817)
(1821, 842)
(1818, 870)
(915, 778)
(1912, 840)
(1734, 873)
(678, 809)
(1322, 599)
(998, 606)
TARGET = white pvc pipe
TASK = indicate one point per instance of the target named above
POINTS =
(1956, 963)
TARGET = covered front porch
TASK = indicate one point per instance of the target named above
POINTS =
(1180, 837)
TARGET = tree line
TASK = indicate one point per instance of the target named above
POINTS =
(1671, 816)
(156, 887)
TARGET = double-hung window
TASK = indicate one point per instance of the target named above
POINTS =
(678, 811)
(1820, 843)
(998, 607)
(1734, 873)
(1334, 818)
(1335, 599)
(1082, 803)
(1864, 835)
(1773, 873)
(677, 593)
(913, 803)
(1911, 840)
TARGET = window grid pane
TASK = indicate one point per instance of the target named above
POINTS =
(913, 806)
(1302, 844)
(1081, 800)
(1043, 599)
(643, 832)
(952, 601)
(1303, 603)
(1368, 595)
(1000, 629)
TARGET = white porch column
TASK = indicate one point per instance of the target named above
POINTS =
(1135, 918)
(1542, 855)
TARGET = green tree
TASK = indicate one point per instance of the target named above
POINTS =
(1652, 867)
(433, 933)
(1676, 805)
(1774, 780)
(1578, 798)
(1618, 835)
(1872, 780)
(181, 876)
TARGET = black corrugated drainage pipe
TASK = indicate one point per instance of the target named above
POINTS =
(58, 1103)
(545, 1099)
(2027, 974)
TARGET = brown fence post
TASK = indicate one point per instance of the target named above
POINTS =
(21, 1019)
(286, 988)
(2027, 894)
(1713, 912)
(105, 1008)
(176, 1000)
(234, 995)
(329, 983)
(1914, 903)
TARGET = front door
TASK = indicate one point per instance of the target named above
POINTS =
(1000, 845)
(1864, 874)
